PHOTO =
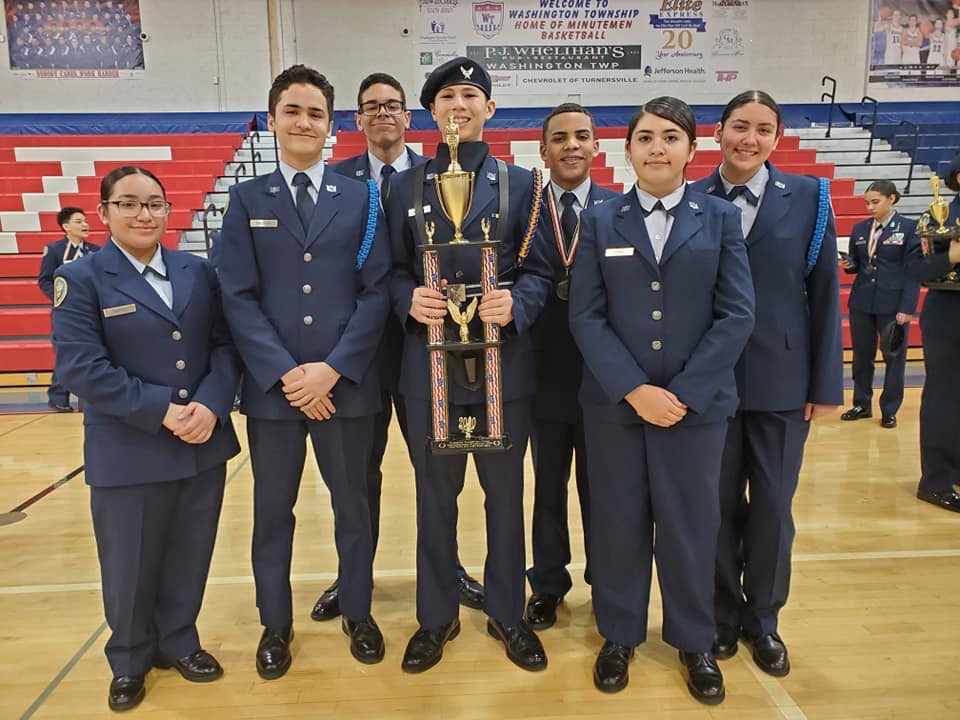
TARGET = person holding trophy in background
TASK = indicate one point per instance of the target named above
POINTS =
(461, 229)
(934, 263)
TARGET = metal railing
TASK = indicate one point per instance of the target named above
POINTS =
(916, 142)
(873, 126)
(833, 96)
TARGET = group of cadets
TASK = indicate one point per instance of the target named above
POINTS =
(703, 319)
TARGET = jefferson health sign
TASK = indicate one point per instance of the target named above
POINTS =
(591, 46)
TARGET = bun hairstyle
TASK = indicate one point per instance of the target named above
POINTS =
(885, 188)
(668, 108)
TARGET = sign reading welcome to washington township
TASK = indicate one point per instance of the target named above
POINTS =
(555, 47)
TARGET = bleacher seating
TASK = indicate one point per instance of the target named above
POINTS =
(40, 174)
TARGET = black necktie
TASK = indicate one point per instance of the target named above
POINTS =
(386, 172)
(305, 203)
(656, 206)
(568, 218)
(738, 190)
(148, 270)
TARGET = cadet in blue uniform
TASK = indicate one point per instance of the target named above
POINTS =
(383, 117)
(661, 305)
(568, 146)
(882, 293)
(140, 338)
(303, 264)
(790, 373)
(72, 247)
(461, 88)
(940, 401)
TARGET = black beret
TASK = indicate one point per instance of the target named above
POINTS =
(892, 337)
(951, 178)
(459, 71)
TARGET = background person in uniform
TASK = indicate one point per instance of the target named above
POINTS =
(940, 400)
(791, 372)
(661, 306)
(72, 247)
(882, 293)
(383, 118)
(568, 146)
(305, 293)
(461, 88)
(141, 339)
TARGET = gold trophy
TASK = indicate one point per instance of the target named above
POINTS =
(936, 239)
(455, 185)
(480, 357)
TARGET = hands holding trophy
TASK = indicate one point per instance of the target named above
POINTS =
(936, 239)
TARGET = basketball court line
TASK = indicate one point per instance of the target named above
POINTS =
(35, 418)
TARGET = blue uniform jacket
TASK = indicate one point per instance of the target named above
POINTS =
(795, 354)
(558, 360)
(53, 259)
(888, 289)
(358, 166)
(128, 356)
(292, 297)
(935, 265)
(679, 324)
(530, 288)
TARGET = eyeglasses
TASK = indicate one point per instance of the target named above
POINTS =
(132, 208)
(391, 107)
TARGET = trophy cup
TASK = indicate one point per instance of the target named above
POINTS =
(455, 192)
(938, 239)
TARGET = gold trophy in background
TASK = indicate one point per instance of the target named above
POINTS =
(455, 188)
(936, 239)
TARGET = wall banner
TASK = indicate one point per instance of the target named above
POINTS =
(590, 46)
(915, 43)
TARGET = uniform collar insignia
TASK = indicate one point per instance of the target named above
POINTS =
(491, 176)
(779, 184)
(274, 189)
(331, 188)
(693, 205)
(359, 173)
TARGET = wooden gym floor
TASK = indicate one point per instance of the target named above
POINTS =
(871, 624)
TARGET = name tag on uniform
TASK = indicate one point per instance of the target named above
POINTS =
(264, 223)
(119, 310)
(618, 252)
(413, 211)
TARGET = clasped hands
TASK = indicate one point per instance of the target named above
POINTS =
(309, 388)
(430, 306)
(193, 423)
(656, 405)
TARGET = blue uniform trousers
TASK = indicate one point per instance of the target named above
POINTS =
(439, 481)
(865, 332)
(278, 452)
(763, 450)
(940, 401)
(155, 542)
(644, 477)
(552, 447)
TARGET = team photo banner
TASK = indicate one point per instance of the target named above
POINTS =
(915, 43)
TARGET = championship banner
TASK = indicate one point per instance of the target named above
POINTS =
(600, 47)
(93, 39)
(915, 43)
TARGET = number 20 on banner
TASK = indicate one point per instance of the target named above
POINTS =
(682, 39)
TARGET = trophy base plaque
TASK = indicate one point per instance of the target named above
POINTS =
(477, 443)
(937, 242)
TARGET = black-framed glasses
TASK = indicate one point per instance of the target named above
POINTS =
(132, 208)
(391, 107)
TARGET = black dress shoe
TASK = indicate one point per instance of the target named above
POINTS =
(426, 647)
(471, 592)
(541, 610)
(126, 692)
(770, 654)
(328, 604)
(704, 679)
(857, 412)
(523, 646)
(61, 407)
(366, 640)
(200, 666)
(273, 652)
(888, 421)
(724, 643)
(610, 671)
(947, 500)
